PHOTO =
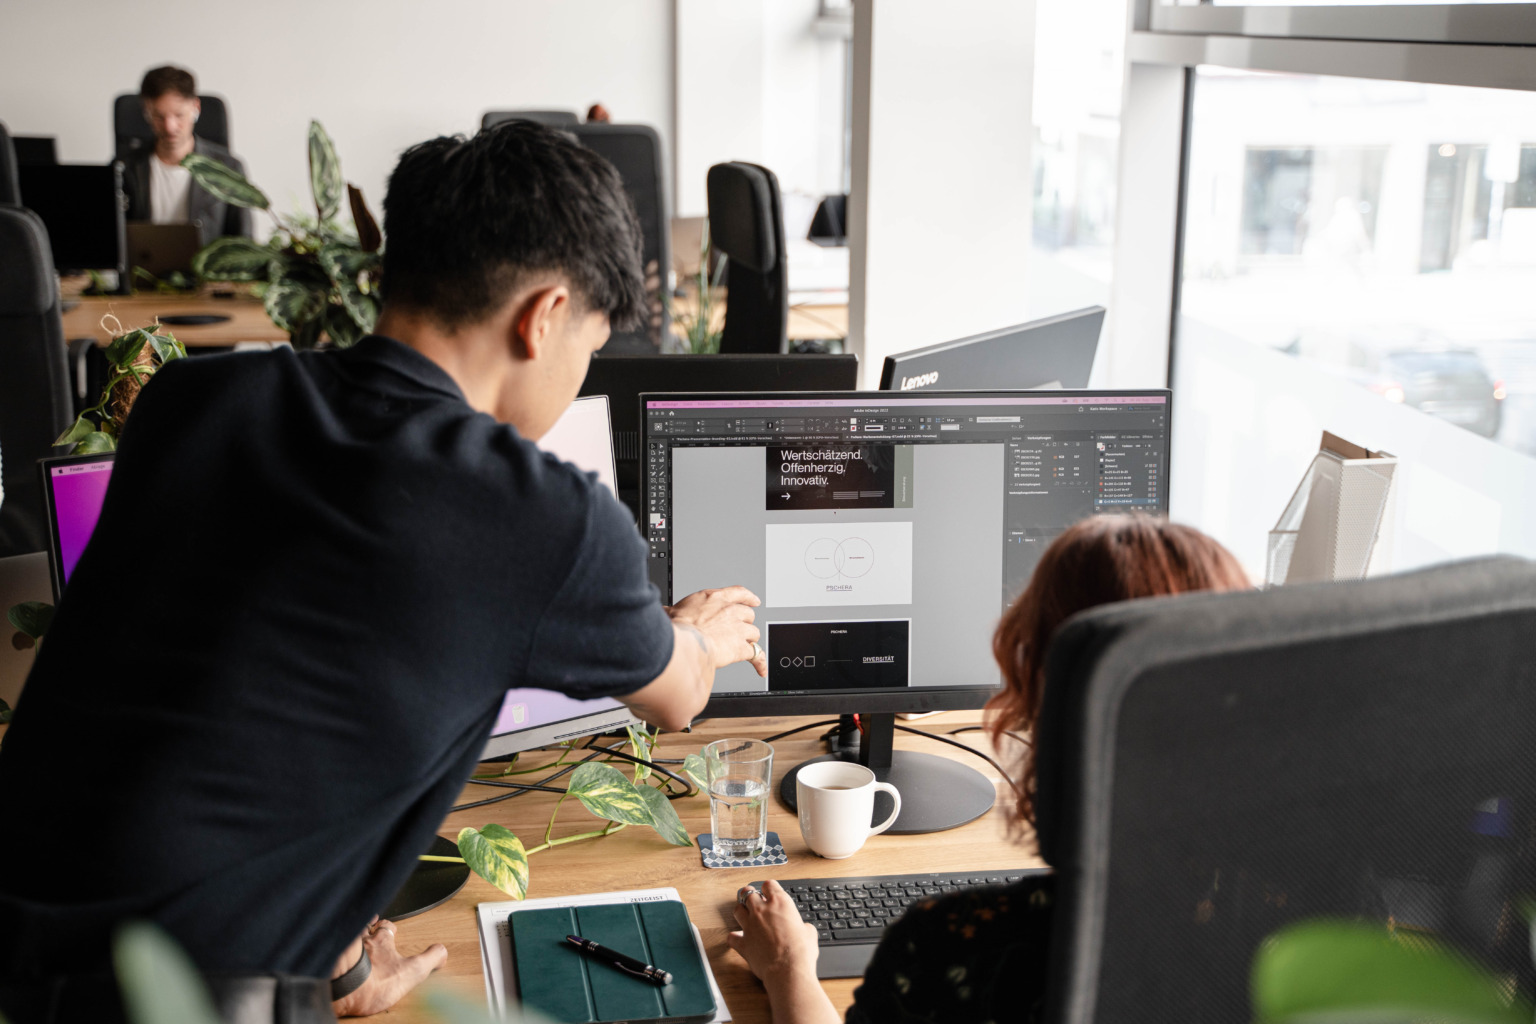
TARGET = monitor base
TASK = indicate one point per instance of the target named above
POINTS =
(432, 884)
(937, 793)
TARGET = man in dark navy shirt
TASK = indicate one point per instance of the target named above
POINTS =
(313, 579)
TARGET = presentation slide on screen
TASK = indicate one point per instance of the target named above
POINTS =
(878, 565)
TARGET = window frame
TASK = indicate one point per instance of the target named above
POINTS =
(1500, 24)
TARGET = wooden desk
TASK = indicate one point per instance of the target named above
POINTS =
(636, 858)
(248, 320)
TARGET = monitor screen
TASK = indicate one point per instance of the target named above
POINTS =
(623, 378)
(1056, 352)
(529, 718)
(74, 488)
(80, 206)
(884, 532)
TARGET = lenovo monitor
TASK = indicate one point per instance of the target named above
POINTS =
(885, 532)
(1056, 352)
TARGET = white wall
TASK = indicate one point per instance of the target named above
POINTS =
(760, 81)
(380, 74)
(940, 205)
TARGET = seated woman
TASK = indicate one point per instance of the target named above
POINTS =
(980, 954)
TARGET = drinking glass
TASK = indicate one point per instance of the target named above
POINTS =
(739, 773)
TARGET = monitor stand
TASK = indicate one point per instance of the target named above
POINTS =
(432, 883)
(937, 793)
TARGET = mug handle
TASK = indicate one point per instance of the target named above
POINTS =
(895, 812)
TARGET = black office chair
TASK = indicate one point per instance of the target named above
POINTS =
(553, 118)
(635, 150)
(1214, 767)
(133, 131)
(35, 405)
(829, 227)
(746, 223)
(10, 185)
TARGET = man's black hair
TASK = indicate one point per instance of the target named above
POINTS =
(466, 220)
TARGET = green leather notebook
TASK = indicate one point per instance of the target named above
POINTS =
(563, 983)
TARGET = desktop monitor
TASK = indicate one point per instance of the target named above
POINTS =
(1056, 352)
(623, 378)
(885, 532)
(532, 718)
(81, 206)
(34, 149)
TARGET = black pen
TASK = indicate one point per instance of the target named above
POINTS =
(627, 964)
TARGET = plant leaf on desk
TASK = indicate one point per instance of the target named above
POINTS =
(225, 183)
(664, 816)
(232, 258)
(325, 182)
(369, 238)
(496, 855)
(95, 443)
(31, 617)
(604, 791)
(125, 348)
(693, 767)
(640, 747)
(76, 432)
(292, 303)
(1339, 970)
(158, 982)
(167, 348)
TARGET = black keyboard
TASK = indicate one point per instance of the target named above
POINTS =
(850, 913)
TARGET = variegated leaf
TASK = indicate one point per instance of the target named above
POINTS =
(496, 855)
(664, 816)
(232, 258)
(640, 746)
(325, 182)
(225, 183)
(604, 791)
(694, 768)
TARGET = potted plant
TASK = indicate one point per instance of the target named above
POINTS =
(317, 279)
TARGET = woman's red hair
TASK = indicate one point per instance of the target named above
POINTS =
(1096, 561)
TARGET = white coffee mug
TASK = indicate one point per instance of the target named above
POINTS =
(836, 800)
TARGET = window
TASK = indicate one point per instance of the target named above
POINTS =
(1359, 256)
(1079, 69)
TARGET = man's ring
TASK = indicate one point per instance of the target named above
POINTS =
(757, 651)
(745, 891)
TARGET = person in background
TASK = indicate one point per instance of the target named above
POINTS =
(981, 954)
(159, 189)
(598, 114)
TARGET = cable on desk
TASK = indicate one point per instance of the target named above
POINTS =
(1006, 732)
(800, 728)
(542, 786)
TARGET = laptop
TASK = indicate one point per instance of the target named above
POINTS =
(163, 248)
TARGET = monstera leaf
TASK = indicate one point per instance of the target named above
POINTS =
(225, 183)
(496, 855)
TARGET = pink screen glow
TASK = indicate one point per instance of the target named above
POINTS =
(78, 491)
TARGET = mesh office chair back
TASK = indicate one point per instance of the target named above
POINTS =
(553, 118)
(10, 186)
(134, 133)
(1214, 767)
(746, 222)
(35, 404)
(635, 150)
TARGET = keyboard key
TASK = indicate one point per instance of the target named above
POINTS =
(859, 894)
(824, 915)
(852, 935)
(817, 906)
(855, 904)
(842, 915)
(861, 912)
(837, 905)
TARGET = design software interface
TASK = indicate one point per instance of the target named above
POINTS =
(885, 532)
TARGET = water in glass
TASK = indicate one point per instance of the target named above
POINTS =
(738, 811)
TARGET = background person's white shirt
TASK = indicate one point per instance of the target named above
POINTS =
(170, 189)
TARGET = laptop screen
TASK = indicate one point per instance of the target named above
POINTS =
(76, 488)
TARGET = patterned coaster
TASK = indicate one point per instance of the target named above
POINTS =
(773, 853)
